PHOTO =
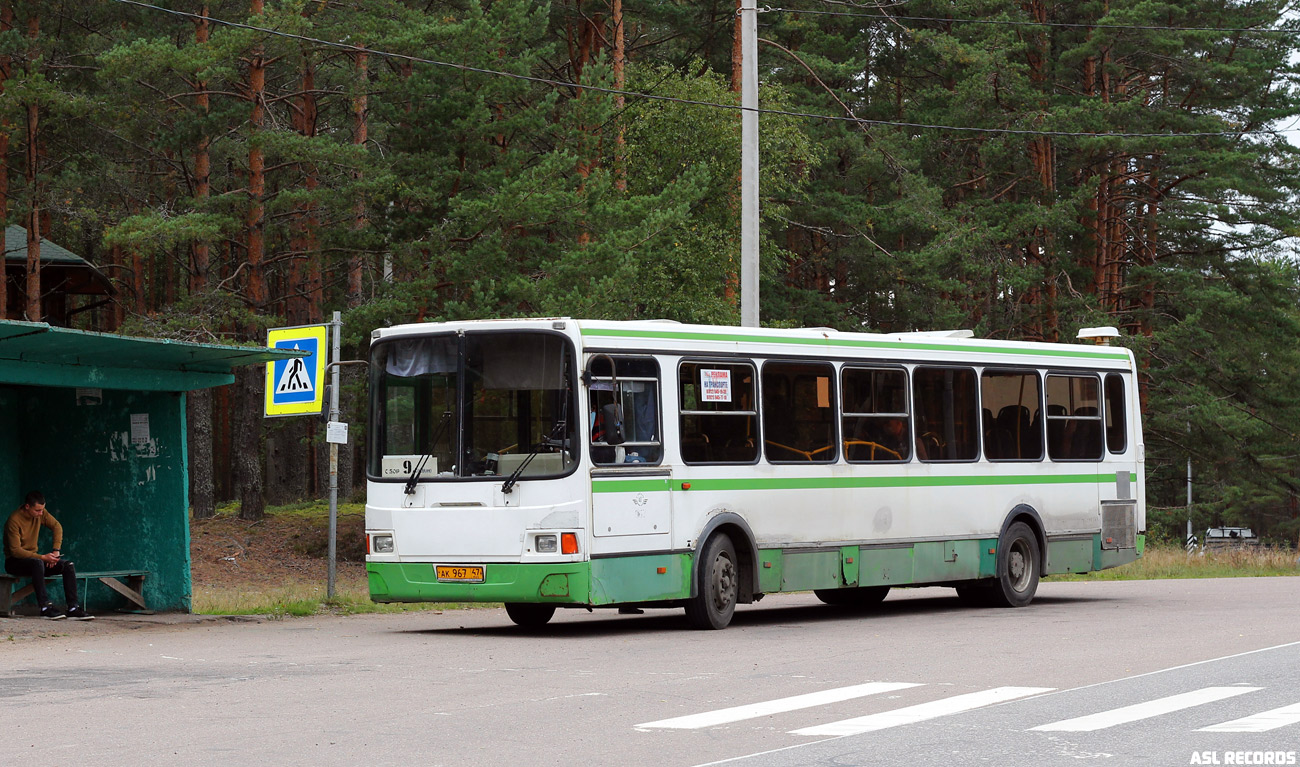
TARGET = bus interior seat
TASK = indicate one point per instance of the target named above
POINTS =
(1015, 430)
(696, 448)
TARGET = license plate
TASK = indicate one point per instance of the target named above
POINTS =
(458, 573)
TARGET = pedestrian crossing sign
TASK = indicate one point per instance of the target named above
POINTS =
(296, 386)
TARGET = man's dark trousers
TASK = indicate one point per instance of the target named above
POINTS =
(38, 571)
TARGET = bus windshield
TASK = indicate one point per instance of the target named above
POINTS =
(473, 405)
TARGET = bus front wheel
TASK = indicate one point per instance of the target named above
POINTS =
(529, 615)
(718, 585)
(1018, 565)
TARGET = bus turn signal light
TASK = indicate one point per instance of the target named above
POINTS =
(568, 543)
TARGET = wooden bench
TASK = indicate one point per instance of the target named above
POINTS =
(11, 594)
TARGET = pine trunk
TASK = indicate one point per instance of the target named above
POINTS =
(620, 81)
(300, 290)
(33, 307)
(360, 104)
(202, 168)
(199, 417)
(255, 288)
(6, 24)
(247, 446)
(32, 311)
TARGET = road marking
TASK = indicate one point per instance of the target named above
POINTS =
(778, 706)
(814, 743)
(921, 712)
(1146, 710)
(1261, 722)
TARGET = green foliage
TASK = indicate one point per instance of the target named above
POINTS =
(477, 195)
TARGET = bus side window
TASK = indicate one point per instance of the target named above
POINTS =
(948, 418)
(719, 423)
(1013, 422)
(876, 423)
(1116, 434)
(798, 419)
(1073, 418)
(637, 391)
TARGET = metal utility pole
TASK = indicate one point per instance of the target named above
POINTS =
(1191, 537)
(336, 335)
(749, 164)
(1188, 492)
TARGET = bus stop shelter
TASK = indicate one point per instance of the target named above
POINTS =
(96, 422)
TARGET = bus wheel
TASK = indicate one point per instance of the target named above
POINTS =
(718, 587)
(862, 596)
(529, 615)
(1018, 561)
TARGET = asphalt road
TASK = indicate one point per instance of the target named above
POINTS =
(1123, 673)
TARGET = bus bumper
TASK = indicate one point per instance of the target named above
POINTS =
(567, 583)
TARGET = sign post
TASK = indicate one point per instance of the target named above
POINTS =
(334, 436)
(297, 387)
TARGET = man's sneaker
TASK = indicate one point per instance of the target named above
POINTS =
(53, 613)
(77, 614)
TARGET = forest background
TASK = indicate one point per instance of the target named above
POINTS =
(1020, 168)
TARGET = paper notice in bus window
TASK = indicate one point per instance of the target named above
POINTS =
(715, 385)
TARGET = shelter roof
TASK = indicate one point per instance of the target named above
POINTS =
(35, 353)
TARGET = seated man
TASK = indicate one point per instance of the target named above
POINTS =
(21, 537)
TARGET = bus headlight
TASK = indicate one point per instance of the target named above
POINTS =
(382, 544)
(546, 544)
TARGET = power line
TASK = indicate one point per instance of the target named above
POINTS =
(691, 102)
(1013, 23)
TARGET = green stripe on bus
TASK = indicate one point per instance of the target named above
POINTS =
(630, 486)
(825, 483)
(850, 343)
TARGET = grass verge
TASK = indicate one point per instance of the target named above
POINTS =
(300, 599)
(277, 565)
(1173, 562)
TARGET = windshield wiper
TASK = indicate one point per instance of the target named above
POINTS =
(409, 489)
(547, 441)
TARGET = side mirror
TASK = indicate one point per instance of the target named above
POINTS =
(612, 415)
(325, 405)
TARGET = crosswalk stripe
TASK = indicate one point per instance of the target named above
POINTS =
(1261, 722)
(1146, 710)
(921, 712)
(781, 705)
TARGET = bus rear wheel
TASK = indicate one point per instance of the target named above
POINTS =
(717, 585)
(529, 615)
(1018, 566)
(862, 596)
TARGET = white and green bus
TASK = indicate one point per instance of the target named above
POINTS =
(549, 463)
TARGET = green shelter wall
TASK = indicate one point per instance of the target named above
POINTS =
(123, 503)
(11, 455)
